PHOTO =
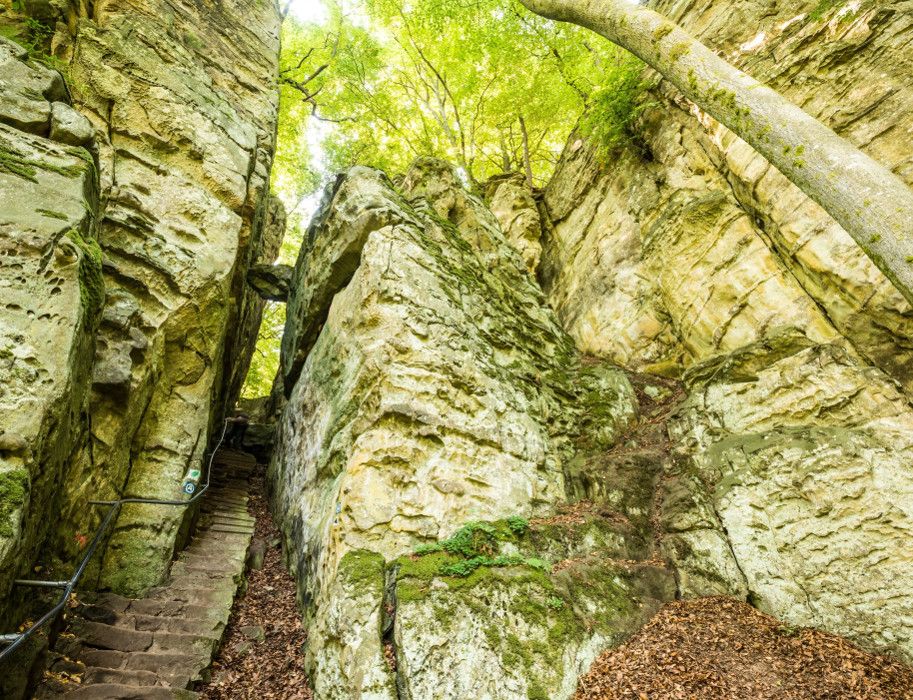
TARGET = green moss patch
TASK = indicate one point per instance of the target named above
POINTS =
(13, 488)
(16, 162)
(91, 279)
(362, 568)
(823, 8)
(473, 546)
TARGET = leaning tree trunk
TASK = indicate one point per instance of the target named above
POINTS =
(868, 200)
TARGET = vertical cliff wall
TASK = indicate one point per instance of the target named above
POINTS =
(776, 258)
(433, 406)
(686, 252)
(177, 103)
(185, 97)
(51, 296)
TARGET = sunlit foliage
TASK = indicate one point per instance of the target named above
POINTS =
(482, 83)
(265, 362)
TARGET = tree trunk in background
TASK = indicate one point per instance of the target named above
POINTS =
(527, 165)
(505, 156)
(868, 200)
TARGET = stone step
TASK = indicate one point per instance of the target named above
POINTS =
(194, 595)
(182, 579)
(176, 608)
(183, 625)
(191, 645)
(117, 691)
(175, 664)
(230, 567)
(232, 561)
(235, 497)
(113, 637)
(89, 629)
(232, 518)
(123, 676)
(214, 540)
(234, 529)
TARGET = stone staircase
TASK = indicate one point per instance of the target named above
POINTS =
(161, 645)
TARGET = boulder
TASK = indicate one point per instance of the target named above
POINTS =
(429, 386)
(271, 282)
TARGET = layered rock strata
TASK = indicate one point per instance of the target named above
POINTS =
(688, 253)
(184, 98)
(51, 296)
(701, 246)
(434, 403)
(127, 320)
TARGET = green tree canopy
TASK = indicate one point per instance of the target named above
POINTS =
(484, 84)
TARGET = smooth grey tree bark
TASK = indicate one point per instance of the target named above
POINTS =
(871, 203)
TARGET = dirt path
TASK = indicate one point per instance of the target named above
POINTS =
(262, 652)
(722, 649)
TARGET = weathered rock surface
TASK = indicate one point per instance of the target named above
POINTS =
(428, 386)
(51, 295)
(622, 295)
(806, 453)
(789, 469)
(184, 100)
(27, 90)
(515, 208)
(271, 282)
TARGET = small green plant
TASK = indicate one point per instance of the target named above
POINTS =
(39, 33)
(613, 108)
(554, 602)
(518, 525)
(471, 540)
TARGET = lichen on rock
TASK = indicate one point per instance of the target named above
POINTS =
(428, 385)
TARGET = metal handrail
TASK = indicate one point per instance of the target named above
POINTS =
(14, 640)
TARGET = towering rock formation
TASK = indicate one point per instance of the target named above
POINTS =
(429, 387)
(146, 237)
(475, 497)
(51, 296)
(433, 399)
(701, 257)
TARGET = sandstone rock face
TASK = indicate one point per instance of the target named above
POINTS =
(605, 279)
(515, 208)
(789, 468)
(808, 453)
(51, 295)
(429, 386)
(184, 99)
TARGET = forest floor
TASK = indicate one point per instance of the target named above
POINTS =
(720, 648)
(262, 654)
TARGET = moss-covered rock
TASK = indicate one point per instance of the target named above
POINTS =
(52, 299)
(513, 624)
(429, 385)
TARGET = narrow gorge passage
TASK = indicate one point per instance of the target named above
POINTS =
(540, 383)
(262, 651)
